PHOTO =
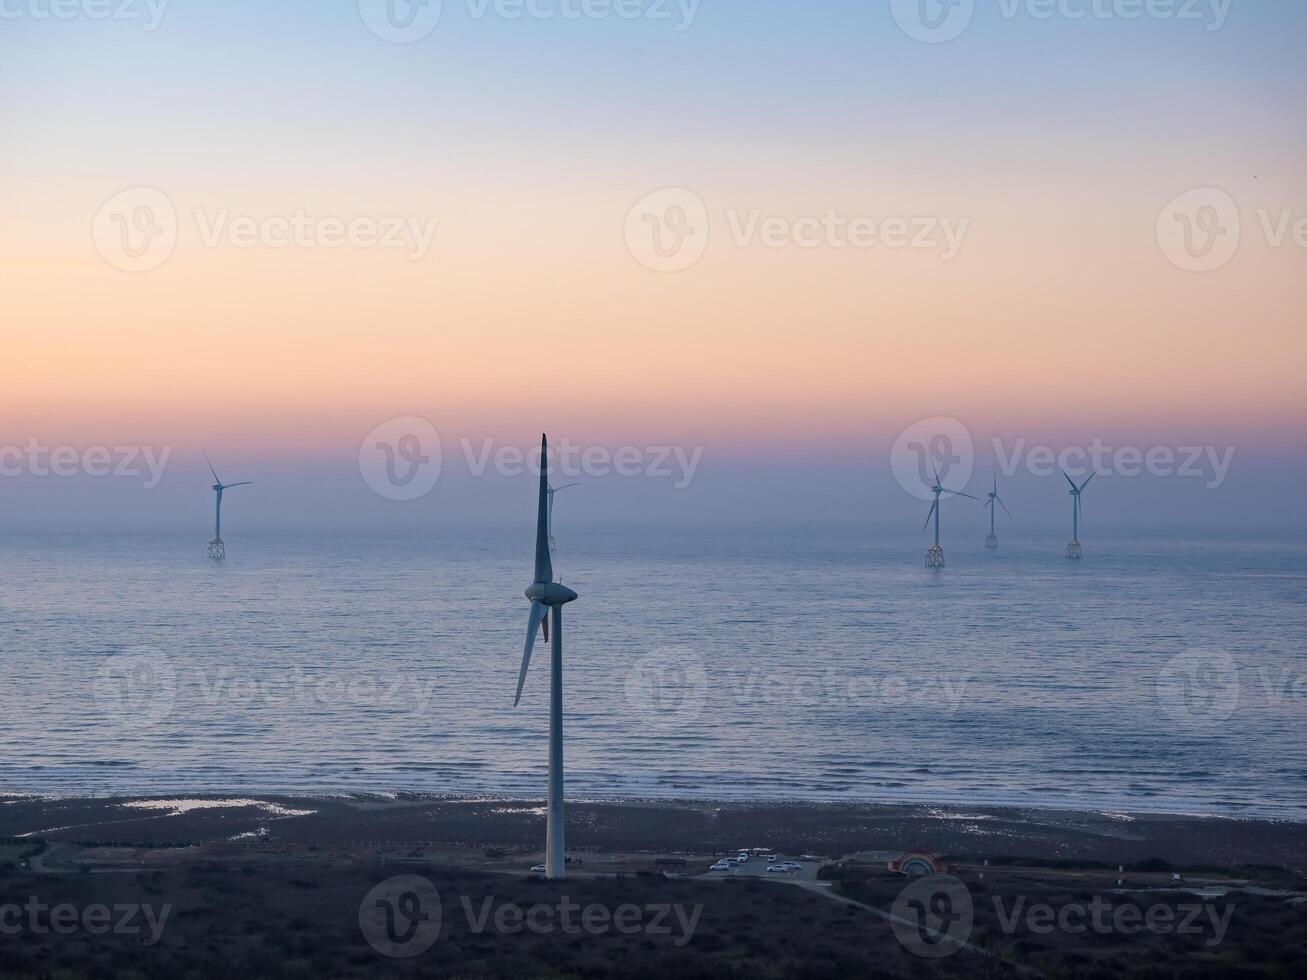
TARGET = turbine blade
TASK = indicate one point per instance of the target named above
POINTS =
(988, 503)
(544, 628)
(930, 515)
(1070, 481)
(959, 493)
(1004, 506)
(212, 470)
(538, 611)
(544, 567)
(1086, 483)
(247, 483)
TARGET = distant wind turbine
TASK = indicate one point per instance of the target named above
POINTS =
(217, 550)
(553, 545)
(991, 542)
(546, 595)
(1077, 513)
(935, 556)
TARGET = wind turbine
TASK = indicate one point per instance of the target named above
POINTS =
(217, 550)
(546, 595)
(1073, 549)
(553, 545)
(991, 542)
(935, 556)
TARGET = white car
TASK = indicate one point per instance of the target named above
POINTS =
(783, 869)
(772, 859)
(743, 858)
(539, 869)
(720, 866)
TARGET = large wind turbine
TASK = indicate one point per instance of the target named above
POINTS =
(217, 550)
(1073, 549)
(935, 556)
(546, 595)
(991, 542)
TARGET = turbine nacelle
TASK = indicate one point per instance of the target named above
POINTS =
(550, 594)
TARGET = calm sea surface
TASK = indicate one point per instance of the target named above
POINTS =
(827, 665)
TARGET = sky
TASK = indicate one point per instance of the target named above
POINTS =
(776, 235)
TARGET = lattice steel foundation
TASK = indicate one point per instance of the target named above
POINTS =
(217, 550)
(991, 542)
(935, 557)
(1073, 550)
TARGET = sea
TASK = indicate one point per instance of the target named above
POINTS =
(806, 663)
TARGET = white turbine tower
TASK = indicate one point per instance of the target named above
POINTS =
(991, 542)
(548, 596)
(935, 556)
(1073, 549)
(217, 550)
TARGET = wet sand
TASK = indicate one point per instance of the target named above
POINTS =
(829, 830)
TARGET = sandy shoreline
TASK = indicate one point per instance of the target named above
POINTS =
(671, 827)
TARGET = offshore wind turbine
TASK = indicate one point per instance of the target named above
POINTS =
(991, 542)
(553, 545)
(218, 550)
(935, 556)
(1073, 549)
(548, 597)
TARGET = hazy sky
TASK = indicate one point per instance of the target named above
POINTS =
(983, 228)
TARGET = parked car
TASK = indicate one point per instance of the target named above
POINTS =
(720, 866)
(539, 869)
(783, 869)
(744, 857)
(772, 859)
